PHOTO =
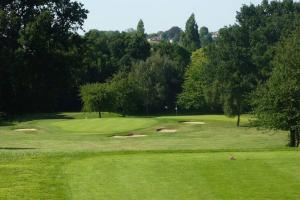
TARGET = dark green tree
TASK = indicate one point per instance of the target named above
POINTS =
(151, 78)
(266, 24)
(173, 34)
(42, 49)
(190, 38)
(205, 36)
(277, 103)
(128, 97)
(175, 75)
(230, 72)
(140, 29)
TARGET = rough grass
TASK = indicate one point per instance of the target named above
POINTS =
(73, 156)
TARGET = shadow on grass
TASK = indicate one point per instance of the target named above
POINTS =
(15, 148)
(6, 123)
(31, 117)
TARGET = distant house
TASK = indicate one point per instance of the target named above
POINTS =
(155, 39)
(215, 35)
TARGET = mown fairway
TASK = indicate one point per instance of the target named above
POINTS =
(74, 156)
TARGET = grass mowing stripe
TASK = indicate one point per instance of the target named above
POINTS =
(105, 126)
(186, 176)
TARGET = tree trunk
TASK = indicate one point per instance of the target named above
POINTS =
(297, 138)
(239, 114)
(238, 120)
(293, 138)
(100, 116)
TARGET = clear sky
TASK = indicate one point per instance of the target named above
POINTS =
(160, 14)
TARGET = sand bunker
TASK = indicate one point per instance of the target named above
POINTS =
(128, 136)
(195, 123)
(26, 130)
(166, 130)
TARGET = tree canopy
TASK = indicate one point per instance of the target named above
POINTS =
(38, 50)
(277, 103)
(190, 37)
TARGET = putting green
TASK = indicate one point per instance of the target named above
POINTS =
(105, 125)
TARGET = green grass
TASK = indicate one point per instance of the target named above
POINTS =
(73, 156)
(104, 126)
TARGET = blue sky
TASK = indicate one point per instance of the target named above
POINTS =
(160, 14)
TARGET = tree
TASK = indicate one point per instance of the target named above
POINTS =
(266, 24)
(39, 45)
(192, 97)
(140, 29)
(103, 54)
(138, 47)
(173, 34)
(205, 36)
(97, 97)
(151, 79)
(128, 97)
(277, 103)
(230, 72)
(190, 38)
(175, 75)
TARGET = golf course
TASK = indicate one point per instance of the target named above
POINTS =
(79, 156)
(149, 100)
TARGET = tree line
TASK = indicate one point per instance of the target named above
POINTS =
(251, 67)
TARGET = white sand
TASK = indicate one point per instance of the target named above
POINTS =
(26, 130)
(195, 123)
(164, 130)
(129, 136)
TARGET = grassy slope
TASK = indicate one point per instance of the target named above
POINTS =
(95, 134)
(68, 163)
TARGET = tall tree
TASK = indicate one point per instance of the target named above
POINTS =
(140, 29)
(190, 38)
(266, 24)
(277, 103)
(175, 75)
(192, 97)
(41, 45)
(151, 78)
(231, 70)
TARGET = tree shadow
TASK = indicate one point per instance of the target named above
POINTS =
(6, 123)
(32, 117)
(15, 148)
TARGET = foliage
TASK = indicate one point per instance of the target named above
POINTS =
(38, 50)
(192, 97)
(240, 57)
(128, 98)
(190, 38)
(151, 77)
(277, 103)
(230, 72)
(266, 24)
(205, 36)
(140, 31)
(173, 34)
(106, 53)
(97, 98)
